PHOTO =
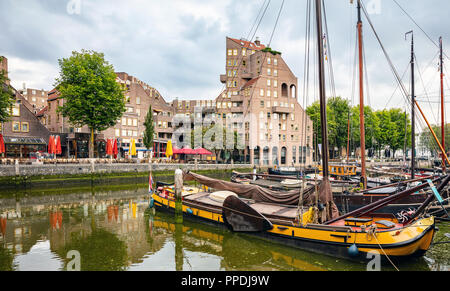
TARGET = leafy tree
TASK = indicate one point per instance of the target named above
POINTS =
(149, 129)
(92, 97)
(371, 127)
(428, 142)
(6, 96)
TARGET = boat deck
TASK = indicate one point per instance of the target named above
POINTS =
(266, 209)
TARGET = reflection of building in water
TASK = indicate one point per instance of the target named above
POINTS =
(42, 219)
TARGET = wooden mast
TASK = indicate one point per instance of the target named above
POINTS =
(442, 103)
(413, 107)
(361, 100)
(323, 101)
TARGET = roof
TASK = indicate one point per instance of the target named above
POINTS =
(53, 95)
(41, 113)
(248, 44)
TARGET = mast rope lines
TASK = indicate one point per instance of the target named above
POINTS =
(399, 80)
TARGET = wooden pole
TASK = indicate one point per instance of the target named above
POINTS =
(178, 196)
(361, 100)
(323, 101)
(442, 104)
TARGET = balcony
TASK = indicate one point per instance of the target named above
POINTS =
(247, 76)
(239, 109)
(237, 98)
(279, 109)
(223, 79)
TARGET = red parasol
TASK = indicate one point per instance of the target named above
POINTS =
(184, 152)
(58, 149)
(109, 150)
(115, 150)
(202, 152)
(51, 145)
(2, 145)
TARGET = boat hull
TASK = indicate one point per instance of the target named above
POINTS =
(397, 244)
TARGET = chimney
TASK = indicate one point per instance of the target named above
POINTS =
(257, 41)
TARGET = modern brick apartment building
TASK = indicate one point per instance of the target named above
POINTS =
(260, 100)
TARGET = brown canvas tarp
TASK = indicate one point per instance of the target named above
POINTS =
(255, 192)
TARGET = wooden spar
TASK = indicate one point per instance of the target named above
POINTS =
(348, 138)
(383, 202)
(323, 101)
(442, 103)
(413, 115)
(434, 135)
(361, 100)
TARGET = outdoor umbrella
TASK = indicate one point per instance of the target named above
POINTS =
(202, 152)
(51, 145)
(133, 147)
(169, 150)
(115, 150)
(2, 145)
(109, 150)
(58, 150)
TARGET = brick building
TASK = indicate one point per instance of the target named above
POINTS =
(260, 100)
(37, 98)
(23, 133)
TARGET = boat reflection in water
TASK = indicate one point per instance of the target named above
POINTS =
(115, 230)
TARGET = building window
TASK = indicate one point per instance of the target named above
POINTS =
(138, 100)
(16, 126)
(230, 52)
(16, 111)
(269, 61)
(25, 127)
(235, 52)
(268, 82)
(275, 83)
(269, 72)
(261, 92)
(117, 132)
(275, 62)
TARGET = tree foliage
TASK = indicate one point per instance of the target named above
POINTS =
(388, 128)
(149, 129)
(6, 97)
(92, 97)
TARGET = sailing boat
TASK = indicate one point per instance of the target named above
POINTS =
(316, 227)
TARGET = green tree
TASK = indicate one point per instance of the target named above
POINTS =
(337, 120)
(149, 129)
(92, 97)
(6, 96)
(371, 127)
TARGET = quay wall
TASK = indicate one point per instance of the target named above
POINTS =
(87, 169)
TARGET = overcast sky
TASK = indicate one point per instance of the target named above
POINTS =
(178, 46)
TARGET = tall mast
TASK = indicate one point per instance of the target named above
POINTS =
(361, 99)
(323, 101)
(442, 103)
(413, 107)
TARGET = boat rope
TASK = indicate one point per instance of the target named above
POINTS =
(372, 232)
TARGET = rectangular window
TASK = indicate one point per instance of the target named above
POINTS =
(124, 121)
(275, 62)
(130, 133)
(262, 104)
(268, 82)
(230, 52)
(269, 72)
(275, 83)
(117, 132)
(269, 61)
(261, 92)
(275, 73)
(138, 100)
(235, 52)
(16, 126)
(135, 122)
(268, 93)
(230, 63)
(16, 111)
(275, 94)
(25, 127)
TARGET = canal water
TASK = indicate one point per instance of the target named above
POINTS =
(111, 228)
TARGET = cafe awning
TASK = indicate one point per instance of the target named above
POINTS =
(24, 140)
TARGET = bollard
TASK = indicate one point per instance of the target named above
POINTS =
(178, 196)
